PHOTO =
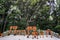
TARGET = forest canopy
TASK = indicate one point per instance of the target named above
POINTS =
(28, 12)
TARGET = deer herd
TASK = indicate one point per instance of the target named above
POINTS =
(30, 30)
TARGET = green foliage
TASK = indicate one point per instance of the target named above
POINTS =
(33, 2)
(58, 27)
(24, 0)
(2, 11)
(25, 11)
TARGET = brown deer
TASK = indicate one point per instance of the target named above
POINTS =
(48, 32)
(41, 34)
(35, 34)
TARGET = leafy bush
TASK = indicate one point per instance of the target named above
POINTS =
(57, 28)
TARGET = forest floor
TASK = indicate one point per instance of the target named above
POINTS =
(21, 37)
